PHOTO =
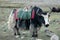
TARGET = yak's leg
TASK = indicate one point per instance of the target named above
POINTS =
(16, 32)
(16, 29)
(27, 23)
(20, 22)
(35, 32)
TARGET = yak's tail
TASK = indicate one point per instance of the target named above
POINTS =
(11, 21)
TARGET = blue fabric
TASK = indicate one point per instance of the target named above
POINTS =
(24, 14)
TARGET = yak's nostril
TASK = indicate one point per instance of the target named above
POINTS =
(47, 25)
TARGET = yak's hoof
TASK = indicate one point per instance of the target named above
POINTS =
(19, 34)
(15, 34)
(35, 35)
(27, 28)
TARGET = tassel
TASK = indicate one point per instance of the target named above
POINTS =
(33, 14)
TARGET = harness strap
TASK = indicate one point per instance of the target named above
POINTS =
(37, 11)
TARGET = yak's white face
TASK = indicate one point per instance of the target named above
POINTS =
(46, 18)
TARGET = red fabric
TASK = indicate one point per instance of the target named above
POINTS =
(33, 14)
(15, 15)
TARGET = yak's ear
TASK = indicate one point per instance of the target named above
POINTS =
(44, 13)
(47, 13)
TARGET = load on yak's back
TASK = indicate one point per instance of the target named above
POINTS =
(16, 14)
(24, 14)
